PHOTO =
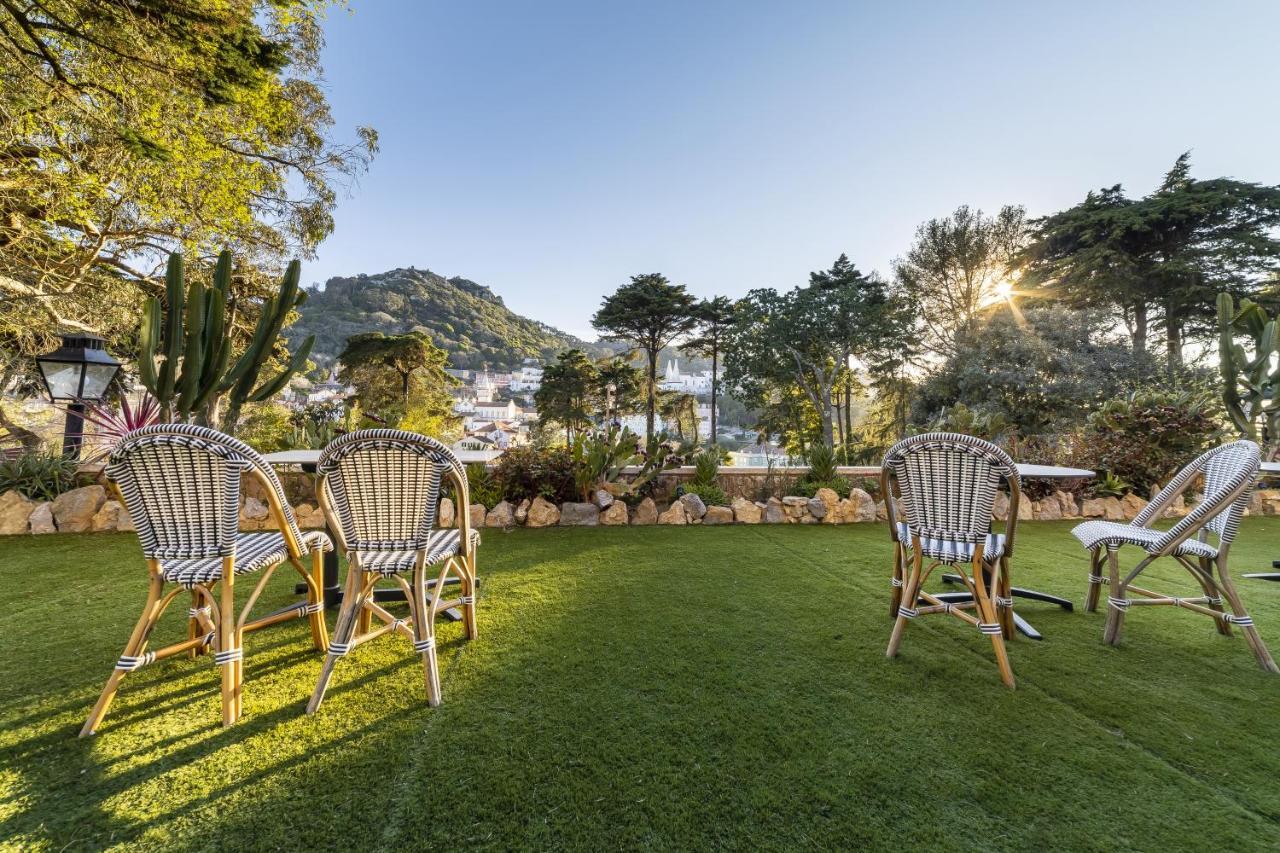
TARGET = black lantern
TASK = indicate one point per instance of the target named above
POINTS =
(77, 372)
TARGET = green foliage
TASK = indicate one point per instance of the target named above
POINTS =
(600, 457)
(466, 320)
(649, 312)
(808, 488)
(317, 425)
(267, 427)
(186, 346)
(991, 425)
(569, 394)
(136, 128)
(483, 487)
(715, 319)
(706, 466)
(524, 473)
(1110, 486)
(399, 380)
(38, 476)
(822, 473)
(1144, 438)
(1256, 372)
(1043, 371)
(711, 494)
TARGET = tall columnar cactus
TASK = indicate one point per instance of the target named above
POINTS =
(186, 346)
(1250, 381)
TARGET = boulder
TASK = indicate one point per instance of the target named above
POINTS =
(827, 496)
(445, 516)
(254, 510)
(795, 501)
(646, 512)
(1112, 509)
(15, 509)
(746, 512)
(42, 519)
(543, 513)
(603, 498)
(108, 517)
(614, 514)
(773, 512)
(579, 515)
(1067, 503)
(477, 515)
(675, 514)
(1092, 508)
(502, 515)
(718, 515)
(1177, 508)
(522, 512)
(693, 506)
(73, 511)
(1131, 505)
(864, 507)
(1048, 509)
(309, 517)
(1026, 510)
(817, 508)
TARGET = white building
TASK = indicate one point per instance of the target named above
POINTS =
(686, 383)
(758, 456)
(527, 378)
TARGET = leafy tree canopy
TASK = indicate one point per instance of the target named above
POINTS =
(397, 376)
(133, 128)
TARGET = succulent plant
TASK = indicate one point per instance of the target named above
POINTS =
(1250, 380)
(186, 346)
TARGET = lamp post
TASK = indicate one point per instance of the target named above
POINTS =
(77, 372)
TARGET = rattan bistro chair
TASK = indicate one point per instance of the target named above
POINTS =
(181, 486)
(380, 489)
(1229, 474)
(948, 484)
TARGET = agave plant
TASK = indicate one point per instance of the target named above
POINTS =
(111, 424)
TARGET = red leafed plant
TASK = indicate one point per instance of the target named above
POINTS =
(111, 424)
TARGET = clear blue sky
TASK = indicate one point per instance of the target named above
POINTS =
(551, 150)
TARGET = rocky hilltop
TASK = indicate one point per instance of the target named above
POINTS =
(467, 320)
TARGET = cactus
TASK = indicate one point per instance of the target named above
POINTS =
(186, 346)
(1250, 381)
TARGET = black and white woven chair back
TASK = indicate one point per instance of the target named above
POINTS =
(385, 486)
(1230, 473)
(181, 486)
(949, 484)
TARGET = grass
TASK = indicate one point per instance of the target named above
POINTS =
(662, 688)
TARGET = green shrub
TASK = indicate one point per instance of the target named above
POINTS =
(1144, 438)
(822, 463)
(711, 494)
(483, 487)
(706, 467)
(808, 488)
(524, 473)
(38, 476)
(266, 427)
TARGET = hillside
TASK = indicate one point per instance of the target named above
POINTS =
(467, 320)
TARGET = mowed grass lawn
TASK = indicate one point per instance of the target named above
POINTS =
(671, 688)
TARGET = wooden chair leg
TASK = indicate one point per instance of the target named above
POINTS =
(424, 633)
(987, 614)
(133, 648)
(1210, 591)
(352, 603)
(470, 623)
(895, 596)
(315, 599)
(1115, 616)
(194, 628)
(1251, 635)
(910, 593)
(1004, 590)
(1095, 586)
(227, 646)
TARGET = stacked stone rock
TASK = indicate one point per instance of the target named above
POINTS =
(89, 509)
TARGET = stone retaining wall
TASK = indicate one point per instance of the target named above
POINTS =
(89, 509)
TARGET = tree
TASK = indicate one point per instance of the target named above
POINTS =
(779, 340)
(396, 375)
(956, 267)
(620, 386)
(681, 410)
(650, 312)
(1169, 253)
(569, 393)
(133, 128)
(715, 316)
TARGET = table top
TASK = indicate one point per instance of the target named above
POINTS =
(311, 457)
(1271, 467)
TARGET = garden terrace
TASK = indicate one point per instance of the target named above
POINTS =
(666, 688)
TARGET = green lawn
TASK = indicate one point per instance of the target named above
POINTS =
(658, 687)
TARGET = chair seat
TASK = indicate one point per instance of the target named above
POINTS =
(951, 551)
(254, 551)
(1095, 533)
(443, 544)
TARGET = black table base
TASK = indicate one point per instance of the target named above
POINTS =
(1266, 576)
(1018, 592)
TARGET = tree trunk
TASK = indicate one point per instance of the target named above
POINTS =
(1173, 341)
(848, 414)
(1140, 327)
(715, 382)
(652, 392)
